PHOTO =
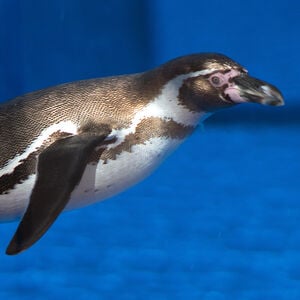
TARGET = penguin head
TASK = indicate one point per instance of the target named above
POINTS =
(214, 81)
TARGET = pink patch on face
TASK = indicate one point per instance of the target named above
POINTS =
(234, 94)
(219, 79)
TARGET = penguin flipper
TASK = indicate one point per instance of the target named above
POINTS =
(60, 168)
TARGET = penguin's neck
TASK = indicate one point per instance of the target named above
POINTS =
(164, 107)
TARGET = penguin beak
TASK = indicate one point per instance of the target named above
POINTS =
(248, 89)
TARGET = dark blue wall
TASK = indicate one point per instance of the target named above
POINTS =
(48, 42)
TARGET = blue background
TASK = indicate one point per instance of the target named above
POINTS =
(220, 218)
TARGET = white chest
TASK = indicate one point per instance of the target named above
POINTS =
(107, 179)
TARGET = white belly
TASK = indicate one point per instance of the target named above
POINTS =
(99, 181)
(13, 204)
(117, 175)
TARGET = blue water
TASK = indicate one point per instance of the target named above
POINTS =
(220, 218)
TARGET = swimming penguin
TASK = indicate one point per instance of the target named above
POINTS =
(78, 143)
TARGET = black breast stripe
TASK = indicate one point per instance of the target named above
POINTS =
(20, 173)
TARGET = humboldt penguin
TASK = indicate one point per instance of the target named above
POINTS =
(74, 144)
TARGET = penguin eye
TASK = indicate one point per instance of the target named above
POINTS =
(216, 80)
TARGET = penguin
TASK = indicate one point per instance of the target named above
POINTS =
(74, 144)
